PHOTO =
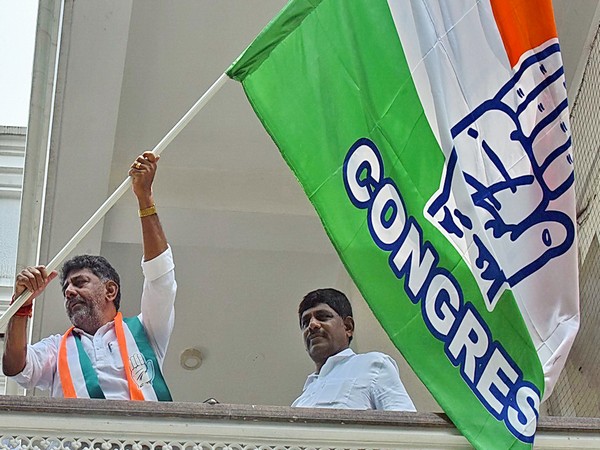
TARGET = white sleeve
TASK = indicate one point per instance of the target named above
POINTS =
(158, 301)
(40, 364)
(388, 392)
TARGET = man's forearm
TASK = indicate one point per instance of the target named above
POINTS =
(15, 346)
(153, 237)
(142, 172)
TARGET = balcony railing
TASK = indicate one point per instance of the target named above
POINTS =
(44, 423)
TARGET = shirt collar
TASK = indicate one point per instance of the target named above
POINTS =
(329, 365)
(333, 360)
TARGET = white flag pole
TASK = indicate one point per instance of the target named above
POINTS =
(115, 196)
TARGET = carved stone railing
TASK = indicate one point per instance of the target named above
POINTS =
(42, 423)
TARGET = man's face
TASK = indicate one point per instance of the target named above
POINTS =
(325, 333)
(85, 300)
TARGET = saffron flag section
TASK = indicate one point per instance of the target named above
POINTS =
(433, 140)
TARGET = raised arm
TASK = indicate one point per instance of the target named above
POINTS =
(142, 172)
(158, 296)
(34, 279)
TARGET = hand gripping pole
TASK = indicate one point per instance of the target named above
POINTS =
(115, 196)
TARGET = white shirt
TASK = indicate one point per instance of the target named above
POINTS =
(356, 381)
(157, 317)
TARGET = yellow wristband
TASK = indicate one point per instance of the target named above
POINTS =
(150, 211)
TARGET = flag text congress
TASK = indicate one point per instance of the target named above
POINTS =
(484, 364)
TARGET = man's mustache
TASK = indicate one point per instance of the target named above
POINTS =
(71, 303)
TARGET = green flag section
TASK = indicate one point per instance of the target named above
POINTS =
(367, 102)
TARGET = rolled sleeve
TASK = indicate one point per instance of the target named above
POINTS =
(159, 266)
(158, 301)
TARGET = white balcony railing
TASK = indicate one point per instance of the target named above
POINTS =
(43, 423)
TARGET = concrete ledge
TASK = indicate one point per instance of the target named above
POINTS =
(260, 413)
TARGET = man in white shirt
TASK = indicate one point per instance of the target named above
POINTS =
(344, 379)
(103, 355)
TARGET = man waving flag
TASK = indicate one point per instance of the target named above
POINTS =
(433, 139)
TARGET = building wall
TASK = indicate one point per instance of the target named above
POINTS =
(12, 158)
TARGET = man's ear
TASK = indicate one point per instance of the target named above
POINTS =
(112, 289)
(349, 326)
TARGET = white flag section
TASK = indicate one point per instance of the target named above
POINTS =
(506, 200)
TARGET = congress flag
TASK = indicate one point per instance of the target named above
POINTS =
(433, 139)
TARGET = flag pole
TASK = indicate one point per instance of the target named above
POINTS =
(115, 196)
